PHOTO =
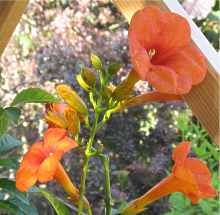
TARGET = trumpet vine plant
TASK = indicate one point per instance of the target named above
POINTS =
(163, 55)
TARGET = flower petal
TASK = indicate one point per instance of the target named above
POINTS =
(172, 38)
(204, 192)
(142, 37)
(52, 136)
(197, 63)
(65, 145)
(180, 152)
(47, 169)
(55, 119)
(194, 198)
(207, 191)
(186, 176)
(154, 28)
(163, 79)
(145, 26)
(190, 66)
(72, 120)
(199, 170)
(184, 84)
(140, 59)
(34, 156)
(57, 107)
(26, 177)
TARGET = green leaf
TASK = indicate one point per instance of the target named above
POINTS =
(2, 196)
(6, 116)
(178, 201)
(17, 198)
(171, 213)
(4, 121)
(24, 208)
(205, 207)
(7, 142)
(9, 207)
(9, 187)
(96, 62)
(13, 113)
(9, 163)
(183, 122)
(34, 95)
(58, 206)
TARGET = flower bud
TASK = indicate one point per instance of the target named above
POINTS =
(72, 98)
(124, 90)
(86, 79)
(108, 91)
(88, 76)
(96, 62)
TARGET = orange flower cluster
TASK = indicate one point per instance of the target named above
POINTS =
(42, 161)
(161, 51)
(189, 176)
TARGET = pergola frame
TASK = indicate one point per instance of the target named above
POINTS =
(203, 99)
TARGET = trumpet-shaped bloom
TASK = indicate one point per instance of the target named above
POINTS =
(62, 116)
(162, 53)
(189, 175)
(40, 163)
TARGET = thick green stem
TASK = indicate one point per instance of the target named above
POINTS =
(108, 197)
(86, 162)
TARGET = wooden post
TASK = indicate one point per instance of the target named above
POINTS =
(203, 99)
(10, 14)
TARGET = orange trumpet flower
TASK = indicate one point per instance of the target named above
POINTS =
(161, 51)
(42, 163)
(189, 175)
(62, 116)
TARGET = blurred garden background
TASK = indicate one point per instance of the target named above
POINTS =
(53, 40)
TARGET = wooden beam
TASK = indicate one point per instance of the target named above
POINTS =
(203, 99)
(10, 14)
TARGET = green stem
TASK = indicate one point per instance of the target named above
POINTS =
(86, 162)
(107, 115)
(108, 197)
